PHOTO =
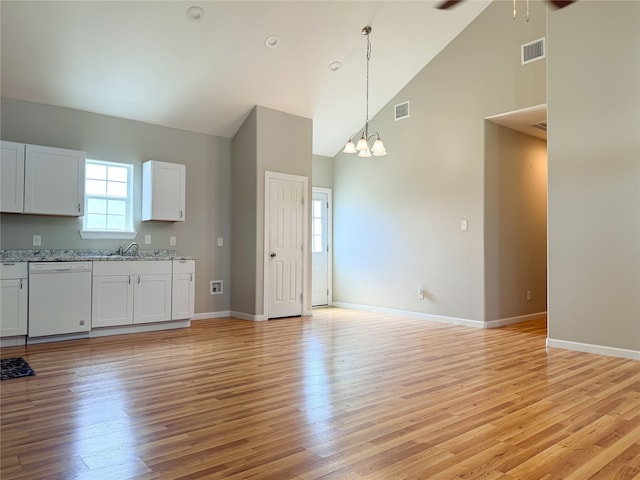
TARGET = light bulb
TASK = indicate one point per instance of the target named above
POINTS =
(378, 146)
(362, 144)
(365, 153)
(349, 147)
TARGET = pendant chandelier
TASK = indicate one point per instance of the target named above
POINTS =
(364, 148)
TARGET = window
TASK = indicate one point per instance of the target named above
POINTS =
(316, 227)
(108, 199)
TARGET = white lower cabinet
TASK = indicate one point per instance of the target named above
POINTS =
(131, 292)
(13, 299)
(183, 294)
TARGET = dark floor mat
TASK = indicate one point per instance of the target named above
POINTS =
(15, 368)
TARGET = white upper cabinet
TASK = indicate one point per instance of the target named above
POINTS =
(53, 181)
(12, 177)
(163, 191)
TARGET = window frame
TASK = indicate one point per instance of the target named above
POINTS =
(126, 234)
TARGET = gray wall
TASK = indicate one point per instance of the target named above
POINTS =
(274, 141)
(594, 174)
(322, 171)
(397, 218)
(515, 223)
(244, 185)
(208, 173)
(284, 146)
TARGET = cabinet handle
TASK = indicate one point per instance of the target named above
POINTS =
(180, 213)
(20, 284)
(78, 208)
(129, 279)
(191, 277)
(138, 279)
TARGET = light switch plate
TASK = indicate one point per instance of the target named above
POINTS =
(37, 240)
(220, 241)
(147, 239)
(172, 241)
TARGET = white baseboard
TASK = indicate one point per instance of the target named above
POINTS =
(501, 322)
(405, 313)
(597, 349)
(248, 316)
(138, 328)
(13, 341)
(212, 315)
(57, 338)
(261, 318)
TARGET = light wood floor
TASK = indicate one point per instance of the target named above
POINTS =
(343, 395)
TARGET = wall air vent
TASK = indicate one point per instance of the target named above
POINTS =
(532, 51)
(540, 126)
(401, 111)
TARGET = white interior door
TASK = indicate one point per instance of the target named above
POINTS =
(285, 246)
(320, 247)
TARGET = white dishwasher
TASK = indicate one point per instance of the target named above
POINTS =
(59, 298)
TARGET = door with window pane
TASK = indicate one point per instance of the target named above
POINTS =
(320, 247)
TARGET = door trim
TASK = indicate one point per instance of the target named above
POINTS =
(305, 310)
(329, 193)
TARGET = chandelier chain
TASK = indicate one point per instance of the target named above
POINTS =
(367, 103)
(364, 148)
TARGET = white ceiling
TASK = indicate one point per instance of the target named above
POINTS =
(148, 61)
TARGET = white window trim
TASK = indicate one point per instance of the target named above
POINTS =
(109, 234)
(101, 235)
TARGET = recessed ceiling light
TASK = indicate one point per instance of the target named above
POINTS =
(272, 41)
(335, 66)
(195, 13)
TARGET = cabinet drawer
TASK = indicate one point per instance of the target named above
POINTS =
(184, 266)
(132, 267)
(13, 270)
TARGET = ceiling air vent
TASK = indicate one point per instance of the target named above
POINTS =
(532, 51)
(401, 111)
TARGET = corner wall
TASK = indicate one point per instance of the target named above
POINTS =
(397, 218)
(244, 185)
(268, 140)
(515, 225)
(594, 177)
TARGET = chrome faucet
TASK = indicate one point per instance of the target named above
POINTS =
(123, 250)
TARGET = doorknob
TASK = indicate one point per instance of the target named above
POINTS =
(273, 254)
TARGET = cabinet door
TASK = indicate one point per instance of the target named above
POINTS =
(54, 181)
(112, 300)
(13, 298)
(12, 177)
(183, 296)
(152, 298)
(163, 191)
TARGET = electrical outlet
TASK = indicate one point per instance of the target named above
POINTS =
(172, 241)
(37, 240)
(220, 241)
(147, 239)
(528, 295)
(463, 225)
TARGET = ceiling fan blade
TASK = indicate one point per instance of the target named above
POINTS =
(561, 3)
(448, 4)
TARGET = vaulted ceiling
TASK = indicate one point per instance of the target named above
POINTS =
(155, 62)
